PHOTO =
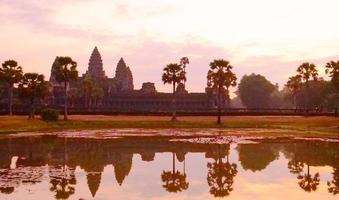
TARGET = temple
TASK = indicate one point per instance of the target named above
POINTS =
(95, 90)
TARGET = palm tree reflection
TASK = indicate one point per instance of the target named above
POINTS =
(174, 181)
(220, 175)
(62, 182)
(6, 190)
(308, 182)
(333, 186)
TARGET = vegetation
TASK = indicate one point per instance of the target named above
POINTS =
(255, 91)
(279, 126)
(173, 74)
(91, 92)
(294, 84)
(220, 78)
(183, 62)
(33, 87)
(10, 74)
(307, 71)
(50, 114)
(65, 72)
(303, 91)
(332, 68)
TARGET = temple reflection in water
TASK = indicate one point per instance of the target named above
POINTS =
(33, 160)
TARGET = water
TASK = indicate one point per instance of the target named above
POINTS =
(158, 168)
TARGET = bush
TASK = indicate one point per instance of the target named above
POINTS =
(50, 114)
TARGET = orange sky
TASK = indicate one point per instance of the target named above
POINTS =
(262, 36)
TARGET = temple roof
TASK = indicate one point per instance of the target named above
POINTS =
(95, 56)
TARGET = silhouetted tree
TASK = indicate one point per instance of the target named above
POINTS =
(255, 91)
(65, 72)
(220, 78)
(293, 84)
(333, 186)
(332, 68)
(307, 71)
(91, 92)
(183, 62)
(308, 182)
(10, 74)
(33, 87)
(174, 181)
(173, 74)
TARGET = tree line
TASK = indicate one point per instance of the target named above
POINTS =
(306, 90)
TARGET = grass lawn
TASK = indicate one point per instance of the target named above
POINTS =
(300, 126)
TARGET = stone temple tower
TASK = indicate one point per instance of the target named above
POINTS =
(123, 77)
(95, 66)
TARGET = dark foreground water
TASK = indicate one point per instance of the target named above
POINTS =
(157, 168)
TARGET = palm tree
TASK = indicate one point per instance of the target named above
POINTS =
(10, 74)
(173, 74)
(332, 68)
(65, 72)
(87, 87)
(220, 78)
(293, 84)
(183, 62)
(307, 71)
(33, 86)
(97, 94)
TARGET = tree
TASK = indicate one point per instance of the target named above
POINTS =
(319, 95)
(10, 74)
(220, 78)
(65, 72)
(91, 91)
(255, 91)
(174, 181)
(294, 84)
(32, 87)
(307, 71)
(88, 86)
(183, 62)
(173, 74)
(332, 68)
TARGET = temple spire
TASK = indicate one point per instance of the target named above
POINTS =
(95, 65)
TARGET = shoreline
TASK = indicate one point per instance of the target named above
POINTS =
(268, 125)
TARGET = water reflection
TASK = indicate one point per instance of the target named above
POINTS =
(52, 160)
(221, 174)
(174, 181)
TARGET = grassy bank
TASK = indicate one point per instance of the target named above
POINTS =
(306, 126)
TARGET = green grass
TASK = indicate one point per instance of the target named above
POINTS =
(301, 126)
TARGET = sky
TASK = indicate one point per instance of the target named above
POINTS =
(268, 37)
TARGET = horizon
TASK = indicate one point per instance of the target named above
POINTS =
(267, 38)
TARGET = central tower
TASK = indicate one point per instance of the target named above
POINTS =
(95, 66)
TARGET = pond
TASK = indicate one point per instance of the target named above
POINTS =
(51, 167)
